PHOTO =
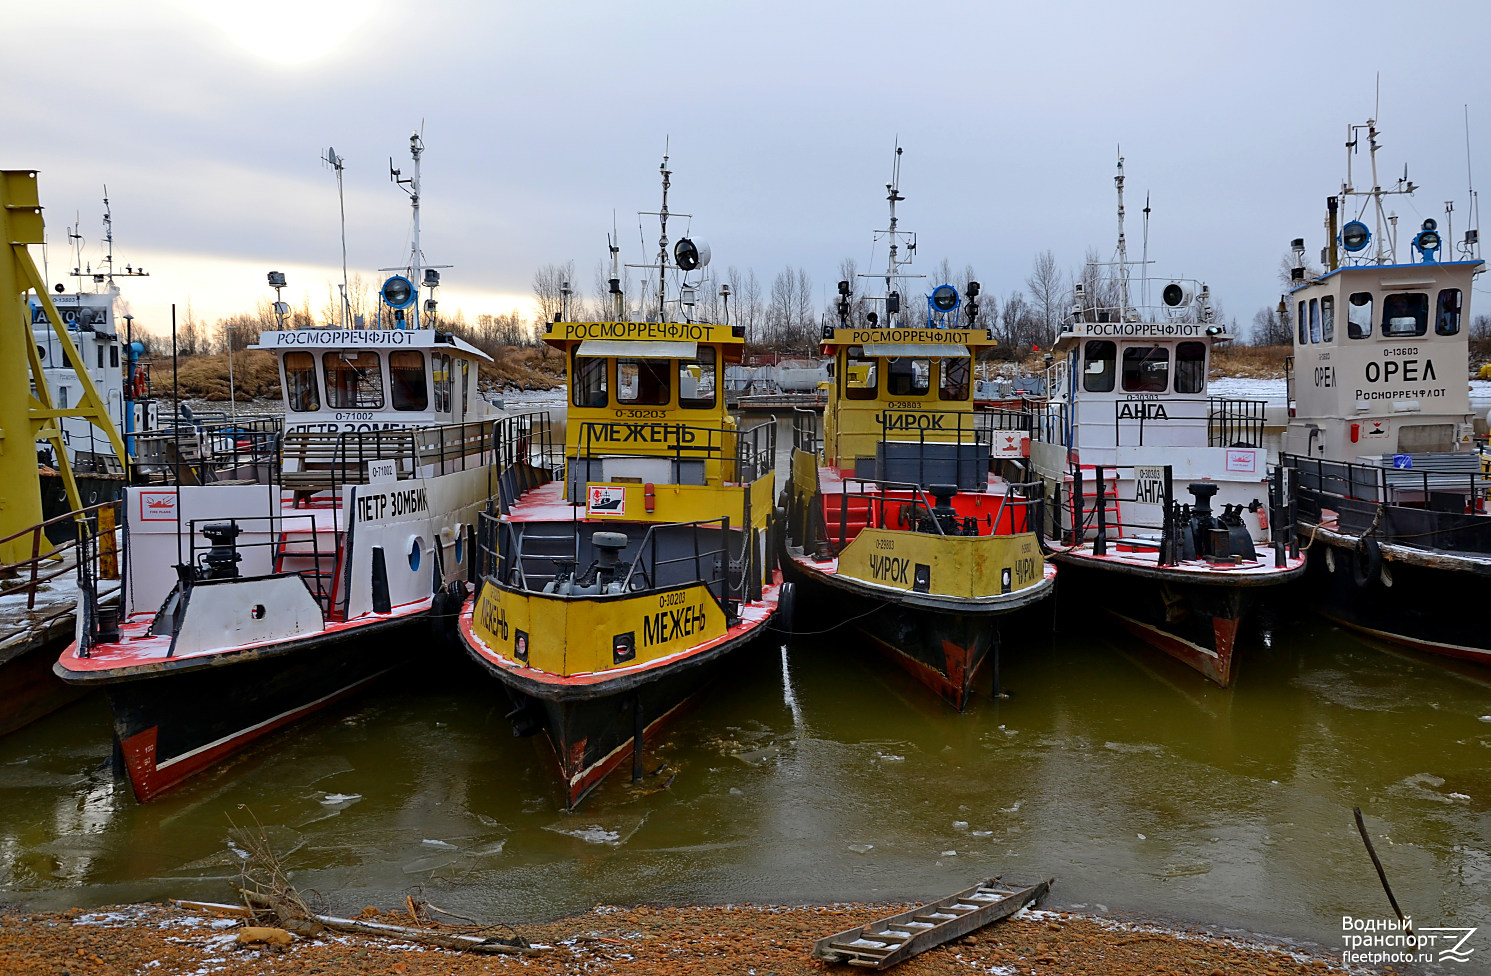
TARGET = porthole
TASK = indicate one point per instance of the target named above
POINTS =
(416, 551)
(257, 612)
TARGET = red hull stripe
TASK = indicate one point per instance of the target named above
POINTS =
(587, 779)
(953, 692)
(1461, 651)
(1215, 666)
(150, 779)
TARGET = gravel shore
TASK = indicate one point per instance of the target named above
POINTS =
(745, 940)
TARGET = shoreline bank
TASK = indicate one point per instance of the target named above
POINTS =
(164, 940)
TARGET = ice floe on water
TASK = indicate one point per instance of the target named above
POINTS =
(611, 835)
(343, 799)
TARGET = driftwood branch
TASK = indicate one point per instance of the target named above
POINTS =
(1377, 863)
(464, 943)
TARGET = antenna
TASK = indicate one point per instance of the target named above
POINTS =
(1123, 248)
(106, 272)
(1472, 246)
(335, 162)
(1144, 259)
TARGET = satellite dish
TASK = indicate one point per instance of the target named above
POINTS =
(398, 292)
(1355, 236)
(944, 298)
(1175, 295)
(688, 255)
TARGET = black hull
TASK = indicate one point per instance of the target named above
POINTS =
(941, 649)
(29, 689)
(592, 729)
(173, 724)
(1427, 609)
(1195, 623)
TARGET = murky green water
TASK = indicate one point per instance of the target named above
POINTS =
(820, 773)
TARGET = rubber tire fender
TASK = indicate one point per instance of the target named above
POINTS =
(786, 605)
(1366, 562)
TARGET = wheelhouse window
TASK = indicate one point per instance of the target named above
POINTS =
(1304, 325)
(1100, 369)
(1314, 320)
(1359, 315)
(642, 381)
(1447, 312)
(1405, 314)
(1146, 369)
(587, 380)
(354, 380)
(905, 376)
(1190, 367)
(696, 380)
(956, 371)
(440, 363)
(464, 397)
(300, 382)
(861, 374)
(1328, 318)
(406, 378)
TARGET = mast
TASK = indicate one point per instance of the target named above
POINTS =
(416, 149)
(335, 162)
(411, 186)
(895, 263)
(618, 298)
(1387, 243)
(662, 254)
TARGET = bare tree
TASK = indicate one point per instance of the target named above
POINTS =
(858, 306)
(190, 336)
(1480, 327)
(1047, 295)
(745, 299)
(1014, 321)
(1099, 289)
(549, 283)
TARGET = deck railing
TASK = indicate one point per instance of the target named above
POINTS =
(1083, 513)
(96, 523)
(1440, 502)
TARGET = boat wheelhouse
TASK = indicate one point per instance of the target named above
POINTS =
(893, 513)
(1392, 491)
(621, 568)
(1128, 431)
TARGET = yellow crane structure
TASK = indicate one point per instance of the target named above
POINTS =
(27, 412)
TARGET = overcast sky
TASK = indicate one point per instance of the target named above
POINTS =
(207, 120)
